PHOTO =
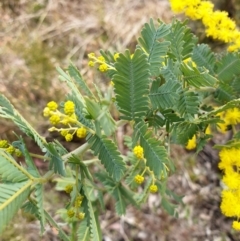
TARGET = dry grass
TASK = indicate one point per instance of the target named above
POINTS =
(35, 37)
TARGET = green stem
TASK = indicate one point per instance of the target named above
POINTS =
(40, 156)
(74, 230)
(79, 151)
(52, 222)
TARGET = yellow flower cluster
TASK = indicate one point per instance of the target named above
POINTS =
(139, 179)
(153, 188)
(218, 25)
(138, 152)
(103, 66)
(9, 148)
(230, 164)
(74, 211)
(230, 117)
(67, 118)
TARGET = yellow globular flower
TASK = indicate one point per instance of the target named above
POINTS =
(101, 58)
(46, 112)
(236, 225)
(17, 152)
(68, 189)
(70, 213)
(103, 67)
(52, 105)
(10, 149)
(91, 55)
(232, 116)
(3, 144)
(54, 119)
(80, 216)
(81, 132)
(192, 143)
(64, 132)
(230, 203)
(68, 137)
(138, 152)
(116, 55)
(139, 179)
(69, 107)
(78, 201)
(91, 63)
(153, 188)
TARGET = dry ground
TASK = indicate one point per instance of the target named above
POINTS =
(37, 36)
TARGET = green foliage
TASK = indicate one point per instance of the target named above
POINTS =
(131, 85)
(168, 91)
(12, 196)
(109, 155)
(155, 49)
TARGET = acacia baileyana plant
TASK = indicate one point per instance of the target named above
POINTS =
(168, 90)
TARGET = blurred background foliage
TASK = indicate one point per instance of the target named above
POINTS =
(38, 35)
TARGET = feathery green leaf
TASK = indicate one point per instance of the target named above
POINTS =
(10, 170)
(204, 57)
(109, 156)
(155, 49)
(12, 196)
(131, 85)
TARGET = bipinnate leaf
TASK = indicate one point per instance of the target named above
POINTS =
(155, 154)
(92, 219)
(101, 116)
(165, 96)
(185, 131)
(131, 85)
(12, 196)
(150, 43)
(182, 40)
(75, 74)
(188, 104)
(109, 155)
(9, 112)
(10, 170)
(39, 204)
(83, 232)
(203, 57)
(197, 77)
(228, 67)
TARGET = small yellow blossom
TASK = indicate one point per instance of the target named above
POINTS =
(138, 152)
(101, 58)
(80, 216)
(68, 137)
(103, 67)
(232, 116)
(91, 55)
(236, 225)
(17, 152)
(10, 149)
(68, 189)
(52, 105)
(139, 179)
(46, 112)
(3, 143)
(64, 132)
(70, 213)
(153, 188)
(192, 143)
(81, 132)
(116, 55)
(69, 107)
(54, 119)
(91, 63)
